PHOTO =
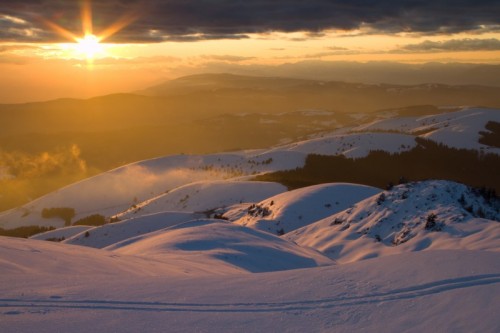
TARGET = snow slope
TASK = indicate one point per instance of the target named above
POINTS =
(429, 215)
(118, 190)
(294, 209)
(70, 289)
(460, 129)
(354, 145)
(38, 259)
(112, 233)
(61, 233)
(217, 240)
(204, 196)
(122, 189)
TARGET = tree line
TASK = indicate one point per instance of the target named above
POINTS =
(428, 160)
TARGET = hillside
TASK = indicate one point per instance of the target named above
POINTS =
(213, 241)
(121, 189)
(354, 145)
(362, 157)
(109, 234)
(430, 215)
(205, 196)
(321, 94)
(291, 210)
(461, 129)
(428, 160)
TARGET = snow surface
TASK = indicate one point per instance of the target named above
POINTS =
(206, 196)
(61, 288)
(294, 209)
(459, 129)
(397, 221)
(116, 191)
(218, 240)
(61, 233)
(112, 233)
(355, 145)
(38, 259)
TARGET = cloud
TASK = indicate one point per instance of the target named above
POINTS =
(453, 45)
(188, 20)
(336, 48)
(199, 37)
(16, 47)
(332, 53)
(226, 58)
(12, 20)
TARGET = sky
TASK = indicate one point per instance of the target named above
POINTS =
(53, 48)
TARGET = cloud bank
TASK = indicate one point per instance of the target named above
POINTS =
(454, 45)
(189, 20)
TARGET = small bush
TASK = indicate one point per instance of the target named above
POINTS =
(337, 221)
(381, 198)
(220, 216)
(431, 223)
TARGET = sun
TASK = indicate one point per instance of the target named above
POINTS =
(89, 46)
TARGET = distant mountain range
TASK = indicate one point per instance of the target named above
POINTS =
(197, 114)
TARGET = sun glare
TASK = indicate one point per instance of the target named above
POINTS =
(89, 46)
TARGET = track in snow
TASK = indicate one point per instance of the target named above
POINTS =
(57, 302)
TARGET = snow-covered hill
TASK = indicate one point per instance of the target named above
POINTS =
(61, 233)
(217, 240)
(205, 196)
(144, 184)
(460, 129)
(354, 145)
(294, 209)
(429, 215)
(118, 190)
(53, 261)
(112, 233)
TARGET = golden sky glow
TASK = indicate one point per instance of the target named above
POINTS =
(99, 67)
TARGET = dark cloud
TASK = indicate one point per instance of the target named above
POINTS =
(159, 20)
(200, 37)
(466, 44)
